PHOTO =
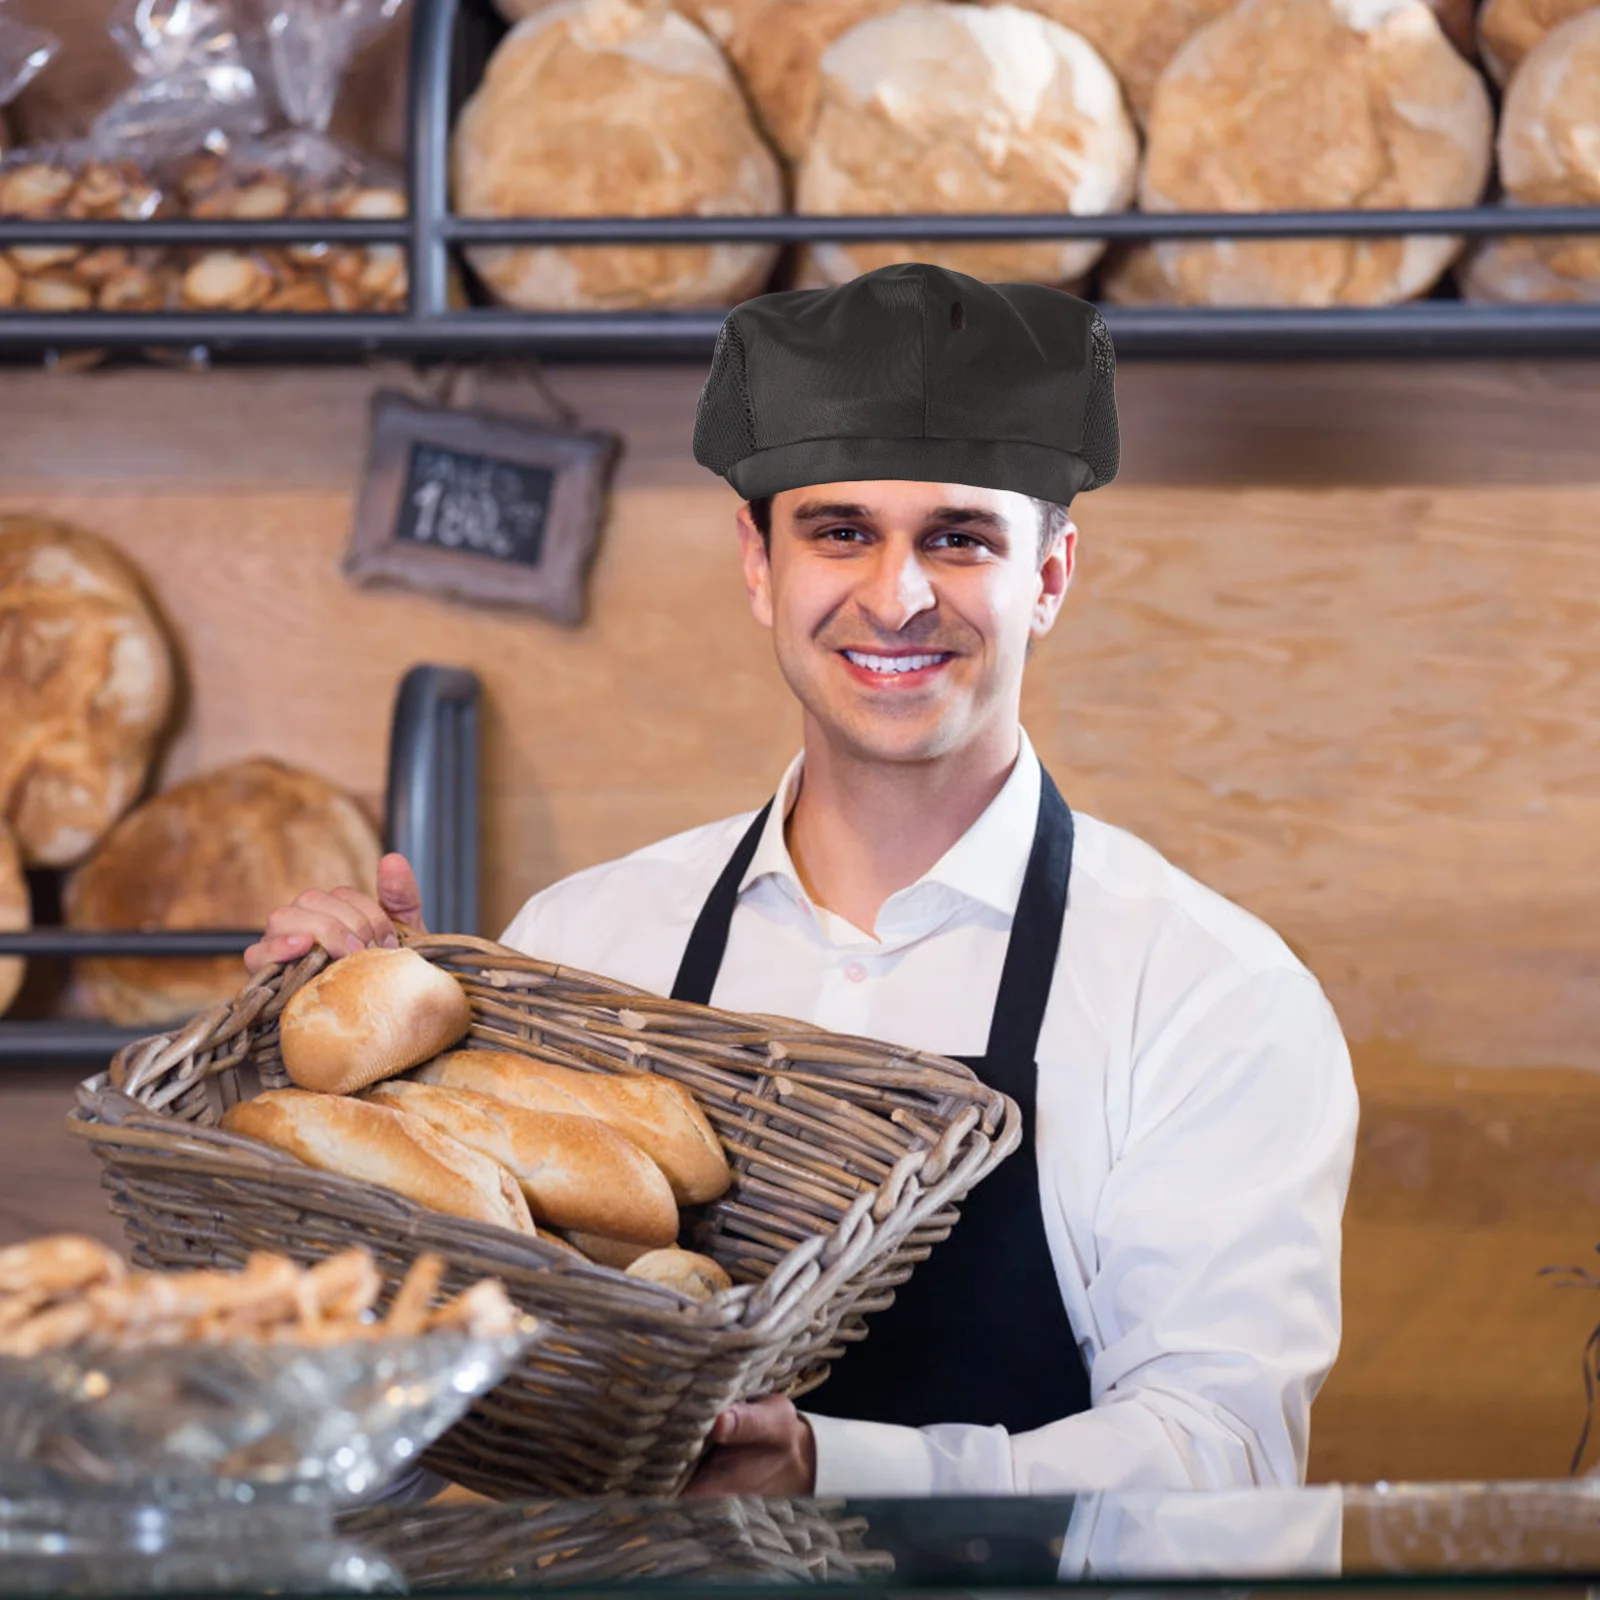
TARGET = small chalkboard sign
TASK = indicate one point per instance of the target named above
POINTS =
(479, 506)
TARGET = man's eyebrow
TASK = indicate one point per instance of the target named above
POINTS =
(960, 516)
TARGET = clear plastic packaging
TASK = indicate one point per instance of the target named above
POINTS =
(25, 51)
(300, 171)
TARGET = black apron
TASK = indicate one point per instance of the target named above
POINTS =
(979, 1334)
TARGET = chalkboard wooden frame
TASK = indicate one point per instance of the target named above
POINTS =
(383, 553)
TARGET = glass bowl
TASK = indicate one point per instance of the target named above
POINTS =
(238, 1422)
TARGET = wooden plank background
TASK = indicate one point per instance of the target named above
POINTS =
(1333, 648)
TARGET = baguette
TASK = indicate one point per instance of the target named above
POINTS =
(607, 1252)
(575, 1171)
(660, 1116)
(368, 1016)
(392, 1149)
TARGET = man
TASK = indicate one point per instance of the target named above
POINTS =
(1147, 1293)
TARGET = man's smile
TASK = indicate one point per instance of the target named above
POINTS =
(900, 669)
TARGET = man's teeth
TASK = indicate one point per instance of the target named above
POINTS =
(891, 663)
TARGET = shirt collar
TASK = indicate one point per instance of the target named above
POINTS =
(987, 863)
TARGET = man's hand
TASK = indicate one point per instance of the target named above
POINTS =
(759, 1447)
(342, 921)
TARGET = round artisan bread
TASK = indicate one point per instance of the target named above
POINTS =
(392, 1149)
(1308, 105)
(574, 1170)
(367, 1017)
(1549, 149)
(220, 850)
(607, 108)
(16, 914)
(1509, 29)
(86, 683)
(658, 1115)
(698, 1277)
(945, 107)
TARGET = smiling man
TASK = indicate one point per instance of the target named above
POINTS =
(1147, 1293)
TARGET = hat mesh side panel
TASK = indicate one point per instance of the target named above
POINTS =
(1102, 446)
(725, 424)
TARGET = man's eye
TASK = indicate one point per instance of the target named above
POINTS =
(841, 535)
(951, 539)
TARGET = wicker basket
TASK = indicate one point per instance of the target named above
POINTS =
(849, 1158)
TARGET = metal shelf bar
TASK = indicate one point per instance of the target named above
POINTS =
(190, 231)
(37, 942)
(48, 1042)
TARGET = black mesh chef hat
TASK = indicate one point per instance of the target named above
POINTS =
(912, 372)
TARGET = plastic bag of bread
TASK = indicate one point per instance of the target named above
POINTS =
(607, 108)
(218, 851)
(86, 680)
(1308, 105)
(16, 914)
(299, 171)
(1509, 29)
(1549, 151)
(944, 107)
(25, 51)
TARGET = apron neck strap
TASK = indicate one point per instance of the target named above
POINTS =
(702, 956)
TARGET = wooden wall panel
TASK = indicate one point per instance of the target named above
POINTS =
(1332, 648)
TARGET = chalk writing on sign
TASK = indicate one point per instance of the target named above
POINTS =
(455, 500)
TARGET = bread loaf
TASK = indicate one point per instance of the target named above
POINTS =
(16, 914)
(392, 1149)
(1509, 29)
(574, 1170)
(218, 851)
(1549, 149)
(1137, 37)
(605, 108)
(698, 1277)
(1308, 105)
(618, 1253)
(85, 687)
(944, 107)
(658, 1115)
(368, 1016)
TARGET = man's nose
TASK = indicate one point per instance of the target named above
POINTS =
(897, 589)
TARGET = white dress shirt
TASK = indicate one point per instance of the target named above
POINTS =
(1195, 1125)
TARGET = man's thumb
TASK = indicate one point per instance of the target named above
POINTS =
(398, 893)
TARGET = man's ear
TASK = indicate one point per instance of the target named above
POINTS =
(757, 561)
(1055, 576)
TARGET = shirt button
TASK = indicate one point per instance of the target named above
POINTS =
(855, 972)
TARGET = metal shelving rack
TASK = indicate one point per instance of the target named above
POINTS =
(446, 37)
(431, 817)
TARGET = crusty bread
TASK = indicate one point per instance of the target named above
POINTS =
(1308, 105)
(392, 1149)
(220, 850)
(943, 107)
(574, 1170)
(369, 1016)
(85, 687)
(613, 108)
(698, 1277)
(658, 1115)
(1509, 29)
(1549, 150)
(618, 1253)
(16, 913)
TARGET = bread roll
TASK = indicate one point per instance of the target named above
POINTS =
(1308, 105)
(574, 1170)
(391, 1149)
(1137, 37)
(16, 914)
(943, 107)
(1549, 150)
(613, 107)
(218, 851)
(85, 687)
(367, 1017)
(658, 1115)
(1509, 29)
(698, 1277)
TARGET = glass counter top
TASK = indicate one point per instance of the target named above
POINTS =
(1504, 1537)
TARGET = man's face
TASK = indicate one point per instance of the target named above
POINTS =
(902, 612)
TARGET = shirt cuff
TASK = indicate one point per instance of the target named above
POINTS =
(869, 1458)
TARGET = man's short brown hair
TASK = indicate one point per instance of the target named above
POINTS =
(1053, 520)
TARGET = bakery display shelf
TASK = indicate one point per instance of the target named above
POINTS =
(451, 40)
(431, 817)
